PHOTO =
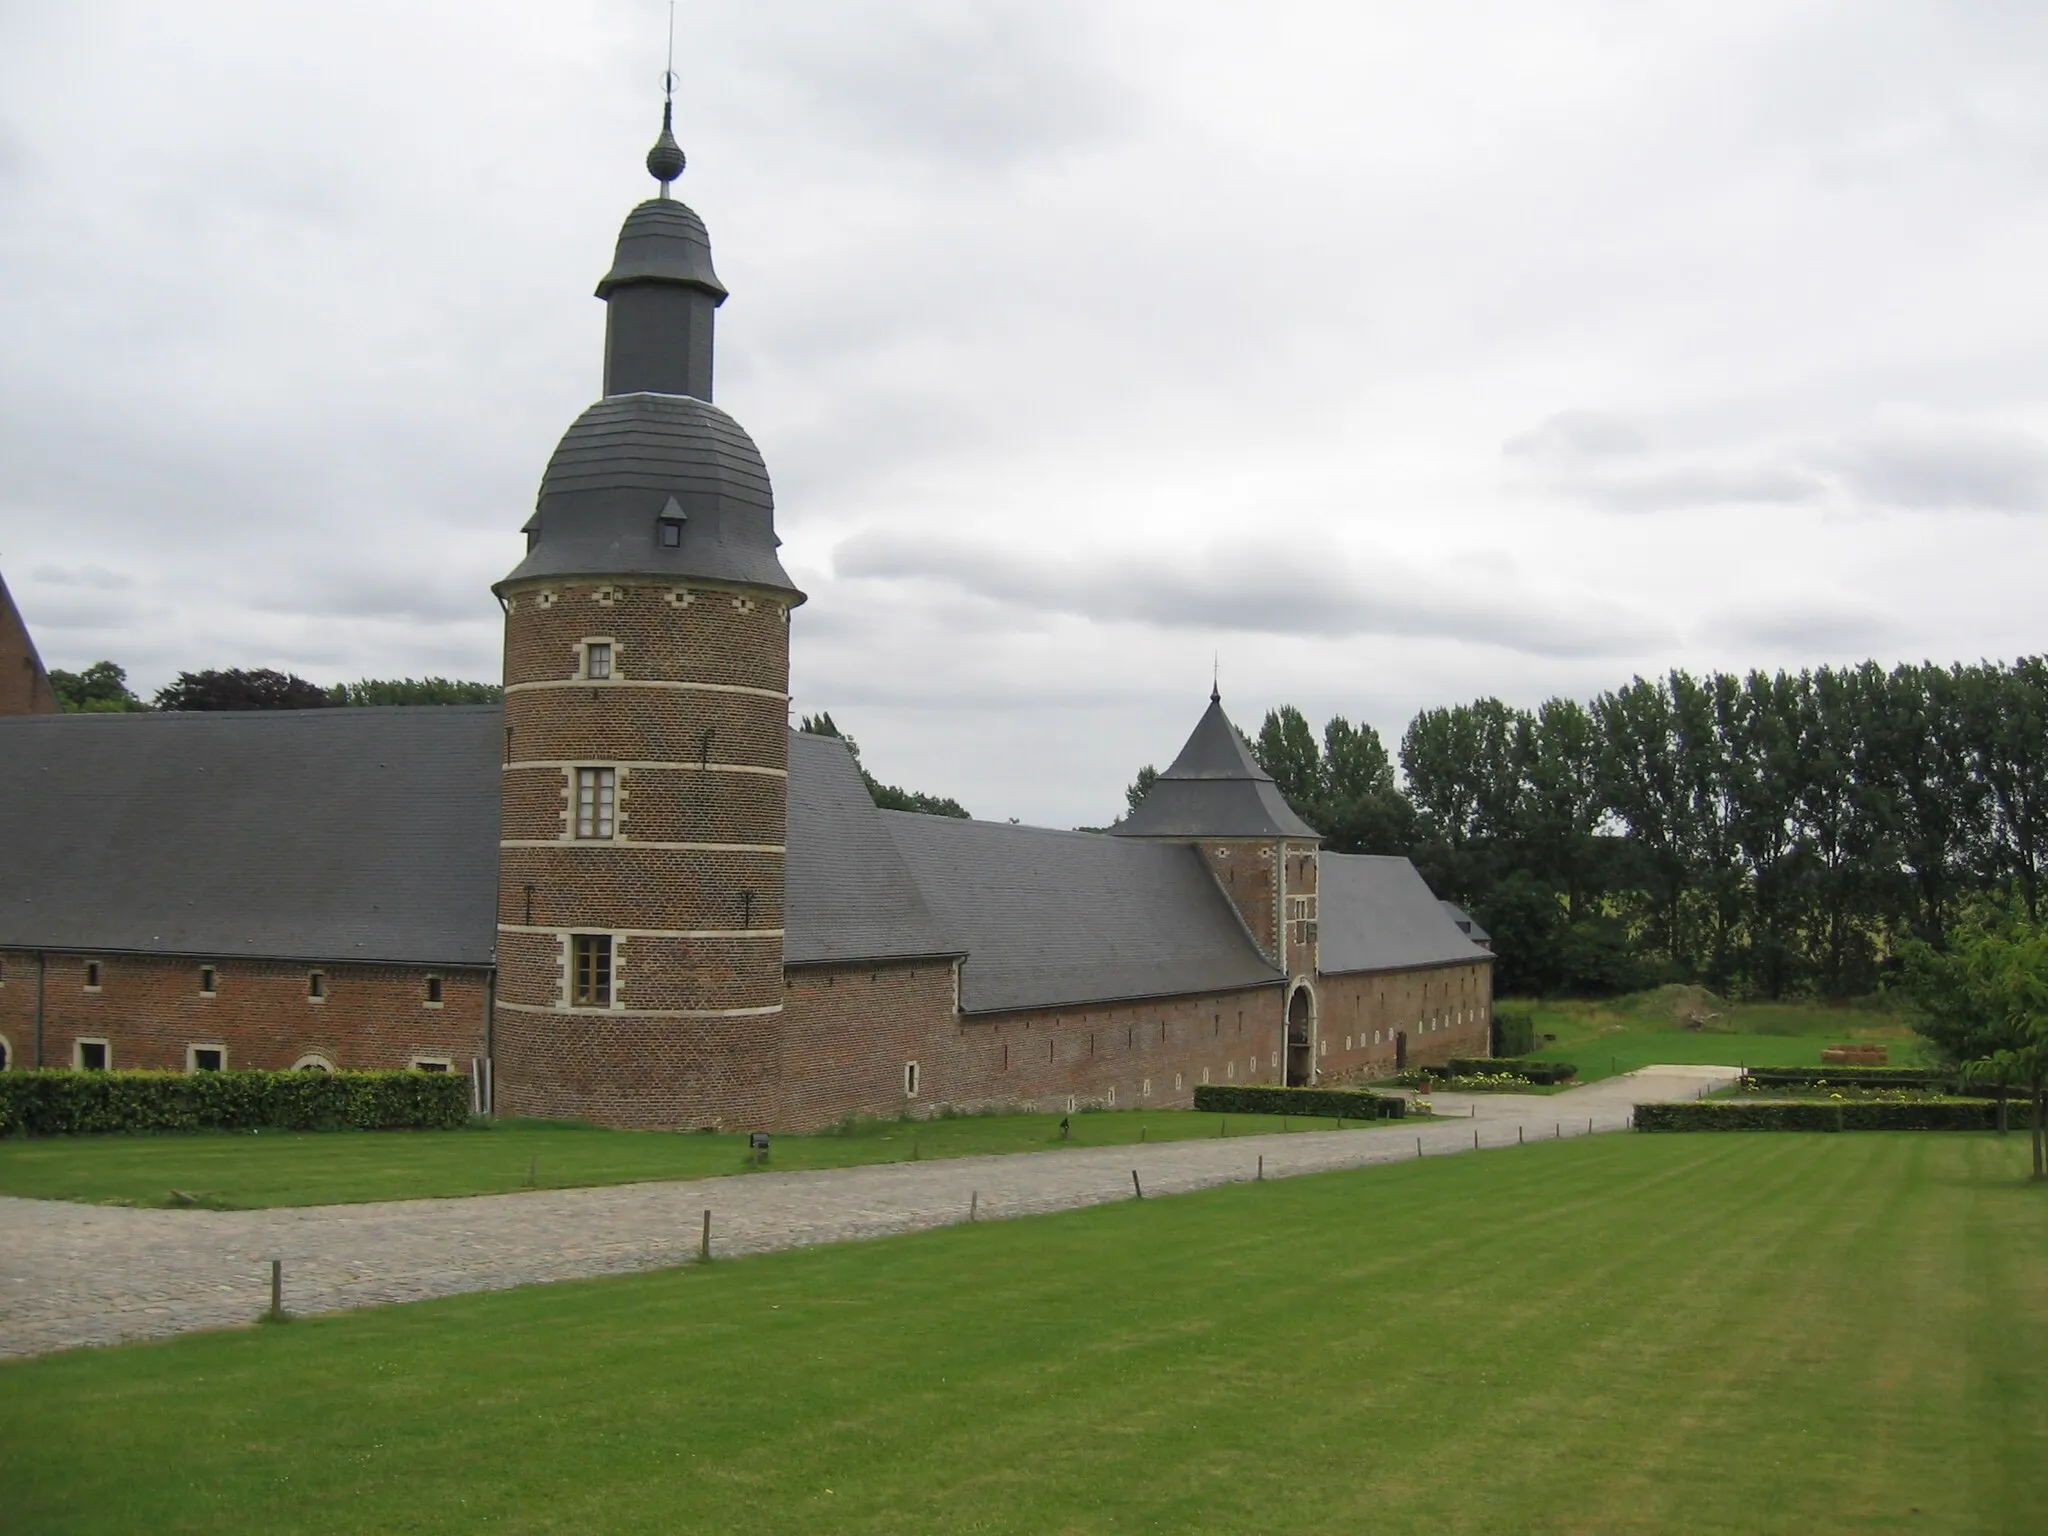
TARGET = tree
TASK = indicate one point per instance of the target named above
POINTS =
(1985, 1001)
(1136, 791)
(239, 688)
(1287, 749)
(1363, 809)
(101, 689)
(414, 690)
(889, 797)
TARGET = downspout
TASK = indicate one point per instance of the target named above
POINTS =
(490, 1095)
(42, 978)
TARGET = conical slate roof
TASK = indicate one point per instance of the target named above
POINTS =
(1215, 788)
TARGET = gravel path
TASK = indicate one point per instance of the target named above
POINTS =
(86, 1274)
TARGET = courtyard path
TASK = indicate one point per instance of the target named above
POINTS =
(88, 1274)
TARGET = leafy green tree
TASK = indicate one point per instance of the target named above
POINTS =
(889, 797)
(1136, 791)
(101, 689)
(1985, 1003)
(1363, 809)
(414, 690)
(240, 688)
(1288, 750)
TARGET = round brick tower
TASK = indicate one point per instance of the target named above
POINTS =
(640, 892)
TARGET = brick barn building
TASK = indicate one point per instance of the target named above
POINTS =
(632, 894)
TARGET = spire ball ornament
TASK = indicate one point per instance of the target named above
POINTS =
(665, 161)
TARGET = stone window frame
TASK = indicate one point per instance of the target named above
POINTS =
(576, 834)
(436, 993)
(316, 986)
(92, 976)
(584, 659)
(315, 1061)
(192, 1051)
(433, 1063)
(209, 981)
(913, 1079)
(78, 1046)
(613, 948)
(6, 1054)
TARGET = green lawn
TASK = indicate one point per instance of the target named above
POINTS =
(242, 1171)
(1695, 1334)
(1622, 1034)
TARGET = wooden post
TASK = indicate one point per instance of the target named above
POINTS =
(1136, 1185)
(1262, 1168)
(1518, 1135)
(1418, 1146)
(1475, 1138)
(974, 1206)
(704, 1244)
(1560, 1131)
(276, 1289)
(1589, 1125)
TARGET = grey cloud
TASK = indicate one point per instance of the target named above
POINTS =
(1702, 485)
(95, 576)
(1806, 627)
(1921, 463)
(1253, 591)
(1578, 435)
(1604, 459)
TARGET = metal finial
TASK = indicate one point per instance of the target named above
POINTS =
(1216, 679)
(665, 161)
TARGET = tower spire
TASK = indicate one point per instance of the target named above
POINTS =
(665, 161)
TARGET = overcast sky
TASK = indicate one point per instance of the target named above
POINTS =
(1394, 354)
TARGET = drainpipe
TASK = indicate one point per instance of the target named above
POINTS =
(42, 977)
(490, 1040)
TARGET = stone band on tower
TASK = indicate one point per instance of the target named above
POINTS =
(640, 905)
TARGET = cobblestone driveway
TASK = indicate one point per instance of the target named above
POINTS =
(85, 1274)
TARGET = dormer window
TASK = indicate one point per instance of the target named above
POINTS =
(671, 530)
(532, 537)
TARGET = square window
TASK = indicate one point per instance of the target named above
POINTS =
(207, 980)
(597, 659)
(93, 1056)
(433, 991)
(206, 1058)
(92, 975)
(597, 793)
(316, 987)
(591, 979)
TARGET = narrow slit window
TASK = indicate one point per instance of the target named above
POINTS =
(434, 990)
(910, 1079)
(597, 793)
(92, 975)
(592, 982)
(207, 979)
(597, 659)
(316, 986)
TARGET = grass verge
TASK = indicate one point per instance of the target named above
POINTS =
(242, 1171)
(1681, 1333)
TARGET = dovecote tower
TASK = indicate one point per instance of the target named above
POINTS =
(1218, 799)
(640, 892)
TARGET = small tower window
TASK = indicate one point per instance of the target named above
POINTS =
(433, 991)
(207, 979)
(671, 532)
(591, 983)
(597, 659)
(92, 975)
(316, 986)
(910, 1080)
(597, 791)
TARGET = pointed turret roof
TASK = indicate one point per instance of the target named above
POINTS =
(1215, 788)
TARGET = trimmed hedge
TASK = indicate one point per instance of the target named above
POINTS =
(62, 1103)
(1252, 1099)
(1861, 1077)
(1933, 1115)
(1534, 1071)
(1514, 1033)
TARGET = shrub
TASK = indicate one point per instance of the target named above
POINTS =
(1530, 1071)
(63, 1103)
(1861, 1077)
(1252, 1099)
(1514, 1033)
(1928, 1115)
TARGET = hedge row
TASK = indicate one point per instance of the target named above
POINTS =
(1250, 1099)
(59, 1103)
(1931, 1115)
(1514, 1033)
(1534, 1071)
(1862, 1077)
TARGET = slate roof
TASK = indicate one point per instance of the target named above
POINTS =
(1375, 913)
(1215, 788)
(615, 474)
(662, 240)
(321, 834)
(1467, 923)
(1051, 917)
(849, 895)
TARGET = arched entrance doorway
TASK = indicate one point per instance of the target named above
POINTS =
(1300, 1045)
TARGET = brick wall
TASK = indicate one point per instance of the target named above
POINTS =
(149, 1008)
(692, 720)
(24, 685)
(850, 1030)
(1445, 1011)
